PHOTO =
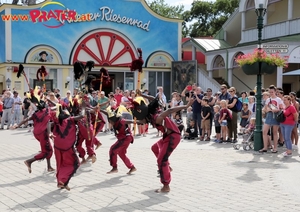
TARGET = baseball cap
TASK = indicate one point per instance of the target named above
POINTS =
(102, 92)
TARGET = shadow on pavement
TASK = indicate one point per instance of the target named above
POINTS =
(142, 205)
(53, 197)
(105, 184)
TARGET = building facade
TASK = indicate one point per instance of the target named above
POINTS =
(56, 34)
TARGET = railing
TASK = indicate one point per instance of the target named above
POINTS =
(273, 31)
(205, 82)
(242, 82)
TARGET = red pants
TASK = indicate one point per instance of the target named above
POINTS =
(83, 135)
(66, 164)
(99, 127)
(162, 150)
(120, 148)
(46, 148)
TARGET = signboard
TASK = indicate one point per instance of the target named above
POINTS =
(295, 55)
(275, 48)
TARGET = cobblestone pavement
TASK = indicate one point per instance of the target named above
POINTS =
(206, 177)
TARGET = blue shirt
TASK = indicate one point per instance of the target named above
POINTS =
(8, 102)
(196, 105)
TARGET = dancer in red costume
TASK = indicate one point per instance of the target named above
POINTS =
(171, 138)
(40, 120)
(100, 122)
(124, 136)
(64, 138)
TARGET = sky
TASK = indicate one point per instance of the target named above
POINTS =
(186, 3)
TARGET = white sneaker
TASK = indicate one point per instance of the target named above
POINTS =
(295, 147)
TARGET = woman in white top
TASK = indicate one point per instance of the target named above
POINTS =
(273, 105)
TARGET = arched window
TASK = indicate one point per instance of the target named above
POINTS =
(219, 63)
(234, 63)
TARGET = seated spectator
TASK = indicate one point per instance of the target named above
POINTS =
(245, 115)
(251, 126)
(189, 116)
(191, 131)
(179, 123)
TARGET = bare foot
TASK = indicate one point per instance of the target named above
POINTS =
(164, 189)
(28, 166)
(51, 169)
(83, 161)
(98, 145)
(114, 170)
(60, 185)
(93, 158)
(133, 169)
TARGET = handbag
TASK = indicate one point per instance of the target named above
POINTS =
(280, 116)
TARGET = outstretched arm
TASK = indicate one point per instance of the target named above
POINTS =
(76, 118)
(22, 122)
(150, 98)
(49, 127)
(164, 114)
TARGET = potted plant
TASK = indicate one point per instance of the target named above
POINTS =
(269, 62)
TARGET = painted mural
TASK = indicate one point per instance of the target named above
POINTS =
(77, 27)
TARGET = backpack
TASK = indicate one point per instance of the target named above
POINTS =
(280, 116)
(238, 105)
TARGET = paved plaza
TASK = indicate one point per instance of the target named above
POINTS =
(206, 177)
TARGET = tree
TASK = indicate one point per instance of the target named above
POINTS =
(168, 11)
(209, 16)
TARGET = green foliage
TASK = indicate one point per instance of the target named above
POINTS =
(210, 16)
(166, 10)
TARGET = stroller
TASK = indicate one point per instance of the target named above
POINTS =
(247, 137)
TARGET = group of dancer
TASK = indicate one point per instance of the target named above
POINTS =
(78, 123)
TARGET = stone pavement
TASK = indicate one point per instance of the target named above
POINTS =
(206, 177)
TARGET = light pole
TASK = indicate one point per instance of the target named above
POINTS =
(260, 9)
(8, 82)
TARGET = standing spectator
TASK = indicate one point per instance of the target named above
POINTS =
(197, 108)
(224, 94)
(232, 124)
(16, 109)
(67, 98)
(211, 103)
(125, 99)
(295, 135)
(217, 123)
(273, 105)
(244, 97)
(291, 116)
(225, 115)
(118, 96)
(26, 105)
(205, 123)
(102, 100)
(252, 106)
(75, 92)
(8, 109)
(162, 96)
(179, 123)
(245, 115)
(94, 99)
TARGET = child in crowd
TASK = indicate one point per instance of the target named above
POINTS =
(205, 122)
(31, 110)
(252, 106)
(191, 131)
(189, 116)
(179, 123)
(245, 115)
(217, 124)
(225, 114)
(251, 126)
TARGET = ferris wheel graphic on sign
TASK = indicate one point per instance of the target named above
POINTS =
(105, 47)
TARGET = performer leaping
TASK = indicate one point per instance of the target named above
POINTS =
(171, 138)
(40, 118)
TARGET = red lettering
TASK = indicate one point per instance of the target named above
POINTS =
(63, 17)
(5, 17)
(23, 17)
(58, 13)
(34, 14)
(43, 17)
(72, 15)
(51, 14)
(14, 18)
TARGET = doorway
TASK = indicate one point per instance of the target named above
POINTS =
(287, 88)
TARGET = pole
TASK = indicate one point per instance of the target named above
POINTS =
(99, 96)
(258, 136)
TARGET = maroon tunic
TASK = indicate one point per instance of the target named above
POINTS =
(164, 148)
(40, 120)
(66, 159)
(124, 137)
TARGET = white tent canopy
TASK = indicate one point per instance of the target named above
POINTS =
(292, 73)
